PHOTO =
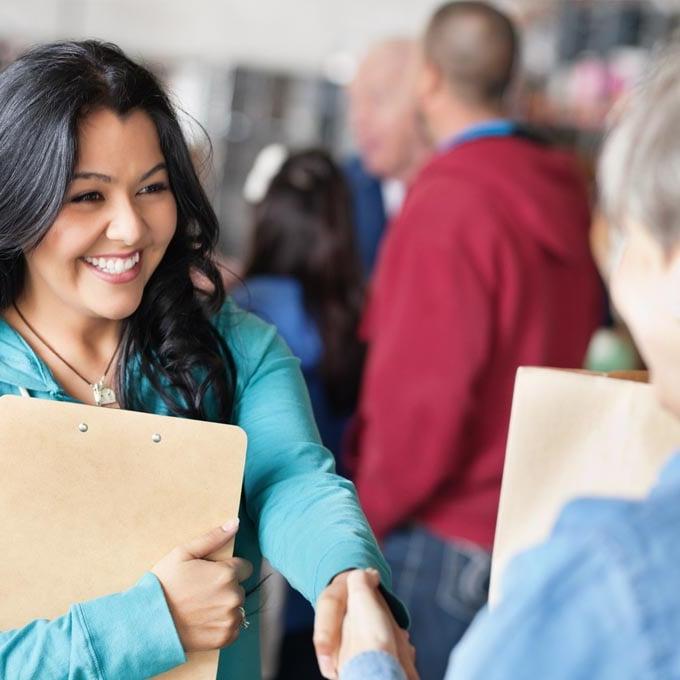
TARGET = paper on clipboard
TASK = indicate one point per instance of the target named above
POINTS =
(574, 433)
(104, 493)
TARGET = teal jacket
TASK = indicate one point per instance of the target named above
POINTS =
(295, 511)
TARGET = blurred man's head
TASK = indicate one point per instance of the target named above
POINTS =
(469, 49)
(383, 110)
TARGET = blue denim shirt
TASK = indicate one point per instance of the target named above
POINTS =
(372, 666)
(600, 600)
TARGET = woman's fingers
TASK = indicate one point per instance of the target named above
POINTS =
(210, 542)
(242, 568)
(205, 596)
(406, 653)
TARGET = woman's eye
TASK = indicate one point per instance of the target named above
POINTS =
(88, 196)
(154, 188)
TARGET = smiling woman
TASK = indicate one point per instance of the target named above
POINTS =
(104, 227)
(112, 231)
(116, 223)
(105, 193)
(114, 228)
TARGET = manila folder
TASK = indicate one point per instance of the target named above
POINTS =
(91, 498)
(574, 434)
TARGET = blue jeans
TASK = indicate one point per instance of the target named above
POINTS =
(443, 585)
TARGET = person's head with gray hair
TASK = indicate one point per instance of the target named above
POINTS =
(639, 170)
(639, 177)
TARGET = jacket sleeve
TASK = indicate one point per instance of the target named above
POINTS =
(310, 525)
(428, 326)
(124, 636)
(372, 666)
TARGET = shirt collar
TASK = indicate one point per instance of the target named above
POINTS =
(500, 127)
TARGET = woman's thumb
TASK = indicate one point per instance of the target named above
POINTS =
(209, 543)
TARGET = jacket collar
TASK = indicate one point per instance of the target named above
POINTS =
(20, 365)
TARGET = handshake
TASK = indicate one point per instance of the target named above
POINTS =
(206, 600)
(352, 618)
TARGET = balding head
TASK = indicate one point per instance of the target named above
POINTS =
(388, 59)
(383, 109)
(474, 47)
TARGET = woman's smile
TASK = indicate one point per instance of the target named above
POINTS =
(121, 268)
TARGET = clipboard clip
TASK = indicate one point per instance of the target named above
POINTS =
(156, 437)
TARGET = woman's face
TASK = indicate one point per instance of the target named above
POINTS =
(646, 290)
(115, 225)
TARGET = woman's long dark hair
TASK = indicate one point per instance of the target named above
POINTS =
(44, 96)
(303, 229)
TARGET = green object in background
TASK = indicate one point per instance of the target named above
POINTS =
(611, 350)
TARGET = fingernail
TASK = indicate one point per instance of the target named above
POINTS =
(231, 525)
(373, 572)
(326, 666)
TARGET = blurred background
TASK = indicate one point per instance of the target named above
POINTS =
(262, 71)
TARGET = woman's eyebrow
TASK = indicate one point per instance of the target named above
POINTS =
(85, 174)
(156, 168)
(92, 175)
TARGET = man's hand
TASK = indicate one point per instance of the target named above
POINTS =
(340, 625)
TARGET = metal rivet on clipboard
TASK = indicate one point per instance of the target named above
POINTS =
(83, 427)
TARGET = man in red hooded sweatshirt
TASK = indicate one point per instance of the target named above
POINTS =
(487, 268)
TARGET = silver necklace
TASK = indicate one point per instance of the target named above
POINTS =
(102, 393)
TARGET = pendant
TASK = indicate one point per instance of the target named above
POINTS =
(102, 394)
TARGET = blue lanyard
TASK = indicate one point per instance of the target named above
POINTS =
(493, 128)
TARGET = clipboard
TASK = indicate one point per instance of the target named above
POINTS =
(574, 434)
(104, 494)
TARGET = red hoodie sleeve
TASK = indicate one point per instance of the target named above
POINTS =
(429, 326)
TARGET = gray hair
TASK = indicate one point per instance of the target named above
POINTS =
(639, 169)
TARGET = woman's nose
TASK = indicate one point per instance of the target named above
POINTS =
(126, 224)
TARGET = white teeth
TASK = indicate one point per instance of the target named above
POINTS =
(114, 266)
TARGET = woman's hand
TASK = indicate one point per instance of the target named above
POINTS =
(352, 617)
(205, 597)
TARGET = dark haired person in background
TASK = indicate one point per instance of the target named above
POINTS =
(103, 223)
(304, 276)
(487, 268)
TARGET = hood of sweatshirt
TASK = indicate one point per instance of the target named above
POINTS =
(19, 364)
(536, 186)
